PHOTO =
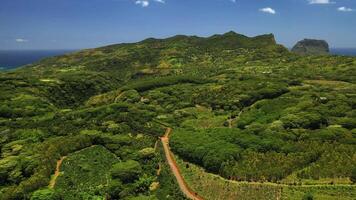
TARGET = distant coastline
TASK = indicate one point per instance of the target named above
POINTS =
(11, 59)
(343, 51)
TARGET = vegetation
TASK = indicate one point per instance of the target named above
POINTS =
(85, 173)
(202, 182)
(243, 108)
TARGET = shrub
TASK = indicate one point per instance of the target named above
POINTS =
(44, 194)
(114, 189)
(130, 96)
(308, 196)
(126, 171)
(5, 111)
(303, 120)
(147, 153)
(353, 175)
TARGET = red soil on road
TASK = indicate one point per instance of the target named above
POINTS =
(56, 173)
(175, 170)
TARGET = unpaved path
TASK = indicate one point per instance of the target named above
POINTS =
(175, 170)
(56, 173)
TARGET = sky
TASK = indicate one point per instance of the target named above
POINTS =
(78, 24)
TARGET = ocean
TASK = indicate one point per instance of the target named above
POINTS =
(10, 59)
(343, 51)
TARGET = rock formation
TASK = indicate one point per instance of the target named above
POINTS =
(311, 47)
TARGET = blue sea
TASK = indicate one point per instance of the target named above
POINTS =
(10, 59)
(343, 51)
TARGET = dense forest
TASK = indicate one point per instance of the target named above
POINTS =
(243, 108)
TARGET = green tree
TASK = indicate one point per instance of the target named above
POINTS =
(126, 171)
(114, 189)
(144, 183)
(5, 111)
(44, 194)
(353, 175)
(308, 196)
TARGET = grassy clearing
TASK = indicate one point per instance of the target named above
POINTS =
(201, 117)
(293, 178)
(319, 192)
(214, 187)
(50, 80)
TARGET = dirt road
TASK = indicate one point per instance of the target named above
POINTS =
(175, 170)
(56, 173)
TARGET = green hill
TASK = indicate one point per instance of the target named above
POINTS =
(244, 108)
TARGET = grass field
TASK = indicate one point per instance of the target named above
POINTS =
(214, 187)
(201, 117)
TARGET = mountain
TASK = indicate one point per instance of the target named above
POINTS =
(89, 124)
(152, 51)
(116, 64)
(311, 47)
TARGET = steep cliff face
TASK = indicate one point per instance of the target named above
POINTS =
(311, 47)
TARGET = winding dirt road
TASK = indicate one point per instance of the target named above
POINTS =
(175, 170)
(170, 159)
(56, 173)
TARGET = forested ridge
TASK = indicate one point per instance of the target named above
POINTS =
(244, 108)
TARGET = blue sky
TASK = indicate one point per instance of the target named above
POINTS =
(76, 24)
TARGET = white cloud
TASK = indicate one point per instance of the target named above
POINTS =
(345, 9)
(268, 10)
(159, 1)
(320, 2)
(21, 40)
(143, 3)
(146, 3)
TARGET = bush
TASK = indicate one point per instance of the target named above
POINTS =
(5, 111)
(353, 175)
(308, 196)
(152, 83)
(147, 153)
(126, 171)
(44, 194)
(114, 189)
(303, 120)
(130, 96)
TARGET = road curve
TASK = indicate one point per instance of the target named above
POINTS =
(175, 170)
(56, 173)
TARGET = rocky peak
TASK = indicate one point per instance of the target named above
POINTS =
(311, 47)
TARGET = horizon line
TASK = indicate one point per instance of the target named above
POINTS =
(77, 49)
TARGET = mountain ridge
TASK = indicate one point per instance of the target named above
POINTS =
(231, 35)
(151, 50)
(243, 108)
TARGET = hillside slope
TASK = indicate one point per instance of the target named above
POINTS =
(243, 108)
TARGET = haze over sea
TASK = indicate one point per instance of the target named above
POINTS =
(11, 59)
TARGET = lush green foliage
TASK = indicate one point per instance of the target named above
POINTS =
(202, 182)
(44, 194)
(85, 173)
(244, 108)
(126, 171)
